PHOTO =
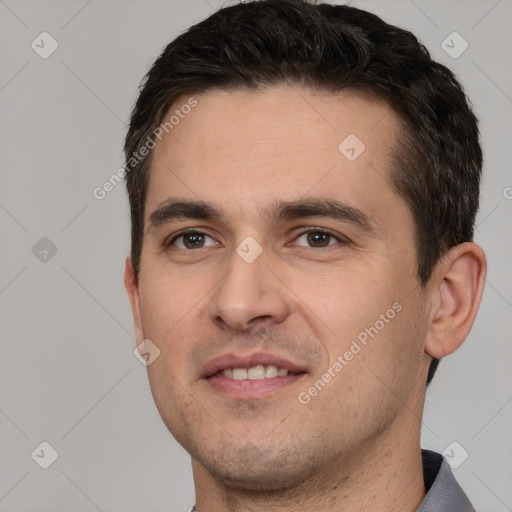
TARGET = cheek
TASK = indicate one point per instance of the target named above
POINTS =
(390, 356)
(168, 307)
(167, 300)
(379, 364)
(367, 320)
(344, 301)
(169, 313)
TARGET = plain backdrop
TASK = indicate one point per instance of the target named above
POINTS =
(68, 376)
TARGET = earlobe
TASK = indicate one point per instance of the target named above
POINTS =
(132, 289)
(459, 286)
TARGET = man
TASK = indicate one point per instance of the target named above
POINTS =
(303, 182)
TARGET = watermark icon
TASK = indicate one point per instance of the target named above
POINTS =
(454, 45)
(351, 147)
(507, 192)
(44, 250)
(304, 397)
(249, 250)
(44, 455)
(146, 352)
(455, 454)
(144, 149)
(44, 45)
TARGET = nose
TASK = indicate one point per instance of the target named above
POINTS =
(251, 295)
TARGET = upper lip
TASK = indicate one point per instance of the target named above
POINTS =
(247, 361)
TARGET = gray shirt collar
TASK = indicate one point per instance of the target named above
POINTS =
(444, 494)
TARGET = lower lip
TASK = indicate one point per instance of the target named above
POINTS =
(251, 389)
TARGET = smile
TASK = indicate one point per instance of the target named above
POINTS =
(251, 376)
(257, 372)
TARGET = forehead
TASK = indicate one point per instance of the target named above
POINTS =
(239, 149)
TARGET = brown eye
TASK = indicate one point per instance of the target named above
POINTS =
(193, 240)
(317, 239)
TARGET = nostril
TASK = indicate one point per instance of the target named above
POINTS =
(260, 319)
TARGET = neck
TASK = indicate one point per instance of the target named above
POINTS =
(384, 474)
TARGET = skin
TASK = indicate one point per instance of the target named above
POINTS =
(307, 302)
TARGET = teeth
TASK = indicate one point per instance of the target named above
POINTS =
(271, 371)
(257, 372)
(239, 373)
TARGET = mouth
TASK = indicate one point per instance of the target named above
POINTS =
(251, 377)
(258, 372)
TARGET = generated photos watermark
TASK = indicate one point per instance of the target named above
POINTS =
(174, 119)
(356, 347)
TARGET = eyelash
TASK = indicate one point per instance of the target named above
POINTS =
(340, 239)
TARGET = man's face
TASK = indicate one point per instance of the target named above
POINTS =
(267, 279)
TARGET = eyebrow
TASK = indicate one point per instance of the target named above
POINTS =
(174, 209)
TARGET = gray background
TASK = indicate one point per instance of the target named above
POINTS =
(67, 372)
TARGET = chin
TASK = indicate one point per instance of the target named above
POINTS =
(254, 468)
(244, 480)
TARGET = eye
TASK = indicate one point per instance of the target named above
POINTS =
(318, 238)
(192, 240)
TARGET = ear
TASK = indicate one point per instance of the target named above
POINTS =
(457, 288)
(132, 288)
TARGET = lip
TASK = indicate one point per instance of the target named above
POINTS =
(250, 389)
(231, 360)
